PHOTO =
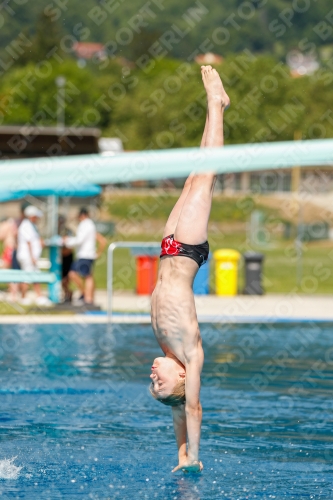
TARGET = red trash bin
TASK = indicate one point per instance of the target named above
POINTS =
(146, 274)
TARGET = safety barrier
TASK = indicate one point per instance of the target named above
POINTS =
(137, 245)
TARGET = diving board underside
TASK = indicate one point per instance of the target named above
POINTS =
(160, 164)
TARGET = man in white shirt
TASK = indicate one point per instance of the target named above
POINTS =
(85, 243)
(29, 249)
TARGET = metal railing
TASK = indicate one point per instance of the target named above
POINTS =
(137, 245)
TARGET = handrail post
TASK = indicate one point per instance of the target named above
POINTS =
(111, 249)
(110, 280)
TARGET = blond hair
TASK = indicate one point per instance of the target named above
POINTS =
(176, 398)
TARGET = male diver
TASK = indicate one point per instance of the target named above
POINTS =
(175, 377)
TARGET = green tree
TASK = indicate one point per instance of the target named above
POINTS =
(166, 107)
(36, 103)
(272, 27)
(46, 39)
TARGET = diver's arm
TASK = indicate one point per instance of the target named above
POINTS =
(179, 425)
(193, 414)
(102, 241)
(33, 260)
(78, 239)
(193, 408)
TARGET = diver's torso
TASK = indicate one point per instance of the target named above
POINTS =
(174, 318)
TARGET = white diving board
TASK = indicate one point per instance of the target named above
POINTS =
(18, 276)
(76, 170)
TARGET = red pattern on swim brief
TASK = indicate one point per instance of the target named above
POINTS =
(170, 246)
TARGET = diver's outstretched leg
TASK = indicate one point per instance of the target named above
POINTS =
(172, 221)
(193, 219)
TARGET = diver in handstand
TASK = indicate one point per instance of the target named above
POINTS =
(176, 376)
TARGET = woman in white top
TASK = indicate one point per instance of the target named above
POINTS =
(29, 249)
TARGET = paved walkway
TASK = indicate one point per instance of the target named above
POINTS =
(241, 307)
(132, 308)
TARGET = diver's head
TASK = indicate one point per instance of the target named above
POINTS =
(168, 381)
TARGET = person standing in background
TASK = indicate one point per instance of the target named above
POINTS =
(81, 272)
(18, 222)
(66, 258)
(15, 287)
(8, 235)
(29, 250)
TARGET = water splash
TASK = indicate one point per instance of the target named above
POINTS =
(8, 470)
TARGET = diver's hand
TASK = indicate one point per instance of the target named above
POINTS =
(187, 465)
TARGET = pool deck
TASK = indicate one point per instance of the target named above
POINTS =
(131, 308)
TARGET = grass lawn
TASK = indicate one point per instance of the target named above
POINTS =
(144, 215)
(157, 206)
(141, 217)
(280, 265)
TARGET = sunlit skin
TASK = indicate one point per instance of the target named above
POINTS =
(173, 312)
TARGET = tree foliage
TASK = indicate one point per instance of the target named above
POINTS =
(165, 107)
(46, 37)
(270, 26)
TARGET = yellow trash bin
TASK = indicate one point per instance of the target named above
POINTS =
(226, 271)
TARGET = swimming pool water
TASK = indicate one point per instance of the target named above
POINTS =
(76, 414)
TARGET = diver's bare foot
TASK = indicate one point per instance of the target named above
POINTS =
(188, 466)
(214, 87)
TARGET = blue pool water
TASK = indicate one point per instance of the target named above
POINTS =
(76, 414)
